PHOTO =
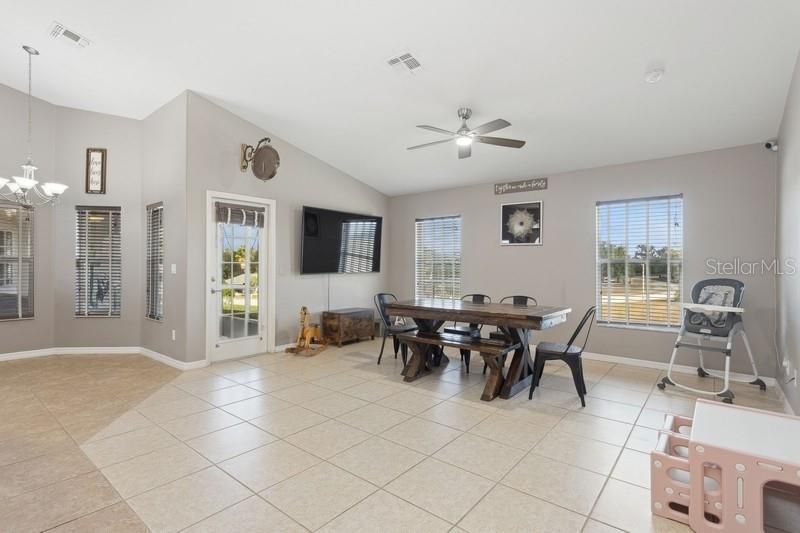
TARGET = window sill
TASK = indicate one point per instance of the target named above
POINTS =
(156, 320)
(660, 329)
(17, 319)
(97, 316)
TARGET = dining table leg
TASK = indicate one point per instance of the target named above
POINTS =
(495, 380)
(520, 371)
(423, 356)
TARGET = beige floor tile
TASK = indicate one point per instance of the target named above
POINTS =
(558, 483)
(373, 391)
(189, 427)
(642, 439)
(17, 428)
(632, 378)
(128, 445)
(578, 451)
(154, 469)
(230, 442)
(164, 412)
(386, 513)
(229, 395)
(542, 415)
(621, 412)
(563, 381)
(633, 467)
(421, 435)
(377, 460)
(255, 407)
(246, 376)
(156, 396)
(480, 456)
(318, 494)
(28, 447)
(627, 507)
(189, 375)
(409, 402)
(288, 421)
(252, 515)
(191, 499)
(501, 509)
(205, 384)
(556, 398)
(618, 394)
(373, 418)
(594, 427)
(274, 383)
(671, 402)
(455, 415)
(127, 421)
(510, 431)
(118, 518)
(228, 367)
(338, 381)
(305, 392)
(43, 470)
(335, 404)
(56, 504)
(437, 388)
(270, 464)
(441, 489)
(652, 419)
(327, 439)
(593, 526)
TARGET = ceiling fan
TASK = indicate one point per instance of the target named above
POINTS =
(464, 136)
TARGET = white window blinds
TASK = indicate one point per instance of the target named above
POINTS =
(16, 262)
(639, 275)
(438, 257)
(154, 262)
(357, 250)
(98, 261)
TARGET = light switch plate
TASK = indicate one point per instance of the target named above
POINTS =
(173, 268)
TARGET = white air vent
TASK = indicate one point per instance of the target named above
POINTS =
(59, 32)
(405, 61)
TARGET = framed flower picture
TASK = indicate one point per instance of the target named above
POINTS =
(521, 224)
(95, 171)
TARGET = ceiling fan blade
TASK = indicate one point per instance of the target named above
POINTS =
(435, 129)
(428, 144)
(499, 141)
(491, 126)
(464, 151)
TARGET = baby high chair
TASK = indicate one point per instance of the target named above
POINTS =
(715, 315)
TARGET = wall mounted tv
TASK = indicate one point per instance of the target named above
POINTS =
(337, 242)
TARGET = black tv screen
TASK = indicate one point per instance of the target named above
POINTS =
(333, 241)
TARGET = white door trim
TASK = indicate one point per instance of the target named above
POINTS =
(271, 231)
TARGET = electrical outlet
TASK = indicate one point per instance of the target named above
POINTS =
(173, 268)
(173, 334)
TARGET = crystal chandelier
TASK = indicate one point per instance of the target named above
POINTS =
(25, 190)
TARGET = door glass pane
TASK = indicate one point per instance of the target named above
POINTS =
(239, 275)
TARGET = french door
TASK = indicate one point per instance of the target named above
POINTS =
(238, 273)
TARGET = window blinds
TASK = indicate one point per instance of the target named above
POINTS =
(98, 261)
(16, 262)
(438, 257)
(639, 267)
(154, 262)
(357, 249)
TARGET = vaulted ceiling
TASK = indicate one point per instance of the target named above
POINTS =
(568, 75)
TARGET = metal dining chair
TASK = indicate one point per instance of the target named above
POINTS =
(473, 330)
(570, 353)
(389, 329)
(518, 299)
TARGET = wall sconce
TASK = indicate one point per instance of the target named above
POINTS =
(263, 158)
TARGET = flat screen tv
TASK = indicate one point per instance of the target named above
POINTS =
(337, 242)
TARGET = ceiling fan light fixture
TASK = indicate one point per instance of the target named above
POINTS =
(464, 140)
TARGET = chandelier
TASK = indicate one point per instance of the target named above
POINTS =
(25, 190)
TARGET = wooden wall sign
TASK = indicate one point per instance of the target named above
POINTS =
(95, 171)
(532, 184)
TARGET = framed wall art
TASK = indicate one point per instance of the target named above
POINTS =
(96, 170)
(521, 224)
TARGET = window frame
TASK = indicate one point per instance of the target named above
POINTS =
(152, 264)
(603, 317)
(455, 289)
(81, 308)
(20, 259)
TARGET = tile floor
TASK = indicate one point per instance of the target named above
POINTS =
(329, 443)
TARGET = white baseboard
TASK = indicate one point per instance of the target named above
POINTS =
(282, 347)
(658, 365)
(101, 350)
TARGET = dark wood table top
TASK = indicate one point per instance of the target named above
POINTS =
(494, 314)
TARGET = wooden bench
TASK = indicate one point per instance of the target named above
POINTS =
(492, 351)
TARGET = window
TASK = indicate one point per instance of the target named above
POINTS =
(640, 262)
(154, 262)
(98, 261)
(16, 262)
(357, 251)
(438, 258)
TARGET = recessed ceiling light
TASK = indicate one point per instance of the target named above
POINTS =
(654, 75)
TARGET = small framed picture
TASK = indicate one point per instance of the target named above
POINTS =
(95, 171)
(521, 224)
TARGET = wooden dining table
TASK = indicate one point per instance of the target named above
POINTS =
(515, 321)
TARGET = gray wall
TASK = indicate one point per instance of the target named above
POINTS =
(788, 239)
(729, 212)
(20, 335)
(164, 180)
(213, 140)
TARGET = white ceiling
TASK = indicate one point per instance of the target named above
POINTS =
(569, 75)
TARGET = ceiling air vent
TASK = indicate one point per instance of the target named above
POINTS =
(59, 32)
(405, 61)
